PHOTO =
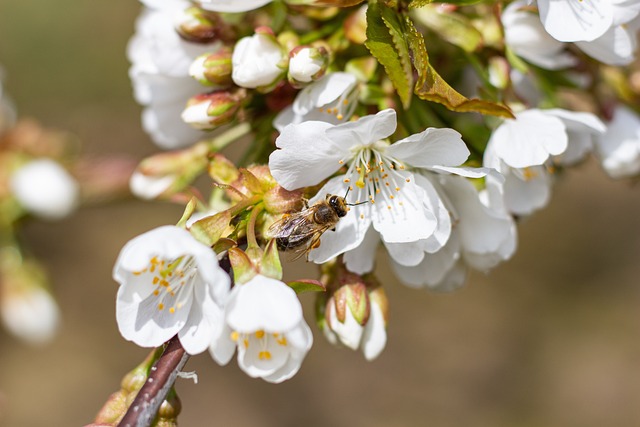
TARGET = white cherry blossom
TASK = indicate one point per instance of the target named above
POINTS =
(331, 99)
(617, 46)
(169, 284)
(619, 148)
(525, 152)
(263, 320)
(401, 209)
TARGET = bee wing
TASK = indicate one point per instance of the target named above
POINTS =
(299, 223)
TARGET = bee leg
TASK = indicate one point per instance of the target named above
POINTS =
(315, 244)
(306, 202)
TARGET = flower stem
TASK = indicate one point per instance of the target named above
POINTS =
(251, 226)
(219, 142)
(144, 408)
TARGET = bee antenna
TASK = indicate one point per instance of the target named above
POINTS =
(345, 194)
(356, 204)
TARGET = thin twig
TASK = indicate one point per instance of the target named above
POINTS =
(144, 408)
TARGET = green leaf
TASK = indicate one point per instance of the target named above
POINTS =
(307, 285)
(209, 229)
(430, 86)
(386, 41)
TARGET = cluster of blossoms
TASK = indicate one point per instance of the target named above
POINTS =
(353, 145)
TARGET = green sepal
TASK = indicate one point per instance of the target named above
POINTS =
(307, 285)
(251, 182)
(243, 268)
(432, 87)
(270, 265)
(209, 230)
(223, 244)
(188, 211)
(386, 41)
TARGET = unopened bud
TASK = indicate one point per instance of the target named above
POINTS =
(258, 61)
(307, 64)
(356, 313)
(214, 68)
(200, 26)
(210, 110)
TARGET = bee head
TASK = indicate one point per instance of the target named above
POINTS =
(338, 204)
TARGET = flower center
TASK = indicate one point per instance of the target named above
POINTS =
(377, 176)
(173, 281)
(264, 341)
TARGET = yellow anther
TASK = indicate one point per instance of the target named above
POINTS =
(235, 336)
(345, 102)
(172, 310)
(259, 334)
(282, 341)
(397, 188)
(361, 216)
(156, 292)
(264, 355)
(155, 280)
(340, 161)
(391, 196)
(408, 180)
(339, 117)
(161, 306)
(347, 180)
(245, 342)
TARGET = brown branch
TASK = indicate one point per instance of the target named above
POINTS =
(163, 374)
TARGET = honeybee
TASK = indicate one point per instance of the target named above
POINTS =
(300, 232)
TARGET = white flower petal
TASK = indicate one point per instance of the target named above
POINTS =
(481, 230)
(442, 147)
(619, 147)
(203, 320)
(222, 346)
(529, 139)
(361, 259)
(258, 360)
(433, 268)
(350, 332)
(366, 130)
(263, 304)
(144, 323)
(374, 338)
(570, 20)
(403, 219)
(323, 91)
(301, 340)
(306, 155)
(615, 47)
(523, 196)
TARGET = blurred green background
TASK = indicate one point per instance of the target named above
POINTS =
(547, 339)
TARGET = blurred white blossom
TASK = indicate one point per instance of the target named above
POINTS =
(619, 147)
(44, 188)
